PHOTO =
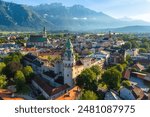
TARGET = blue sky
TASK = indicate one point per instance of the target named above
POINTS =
(135, 9)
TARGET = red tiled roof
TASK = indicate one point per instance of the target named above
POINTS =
(138, 93)
(49, 89)
(126, 74)
(139, 66)
(71, 95)
(59, 89)
(43, 85)
(6, 94)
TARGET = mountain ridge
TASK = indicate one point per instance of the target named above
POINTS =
(56, 16)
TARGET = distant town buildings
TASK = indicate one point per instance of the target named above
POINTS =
(58, 62)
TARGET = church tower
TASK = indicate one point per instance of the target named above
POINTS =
(44, 32)
(68, 62)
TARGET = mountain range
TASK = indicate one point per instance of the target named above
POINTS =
(55, 17)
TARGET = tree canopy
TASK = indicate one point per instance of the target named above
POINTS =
(120, 68)
(126, 83)
(142, 50)
(89, 95)
(96, 69)
(2, 66)
(127, 45)
(20, 80)
(28, 72)
(11, 68)
(112, 78)
(3, 81)
(87, 79)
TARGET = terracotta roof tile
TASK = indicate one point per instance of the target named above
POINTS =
(73, 94)
(50, 90)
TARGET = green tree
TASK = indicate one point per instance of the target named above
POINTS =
(7, 59)
(49, 59)
(112, 78)
(124, 65)
(120, 68)
(3, 81)
(20, 80)
(87, 80)
(134, 44)
(96, 69)
(102, 86)
(142, 50)
(127, 45)
(15, 58)
(28, 72)
(11, 68)
(89, 95)
(76, 56)
(126, 83)
(129, 60)
(133, 69)
(145, 45)
(2, 66)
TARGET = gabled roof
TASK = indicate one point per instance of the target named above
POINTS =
(50, 90)
(73, 94)
(138, 93)
(37, 38)
(33, 59)
(126, 74)
(50, 73)
(139, 66)
(30, 57)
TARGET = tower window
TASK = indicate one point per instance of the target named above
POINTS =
(67, 75)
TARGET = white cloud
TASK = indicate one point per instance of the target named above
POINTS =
(75, 18)
(85, 18)
(145, 17)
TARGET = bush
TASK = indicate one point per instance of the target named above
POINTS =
(89, 95)
(126, 83)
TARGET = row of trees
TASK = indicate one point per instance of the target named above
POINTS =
(144, 44)
(12, 70)
(88, 81)
(3, 41)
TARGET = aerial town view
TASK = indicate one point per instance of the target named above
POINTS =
(57, 50)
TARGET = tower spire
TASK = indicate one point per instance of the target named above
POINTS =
(44, 32)
(69, 54)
